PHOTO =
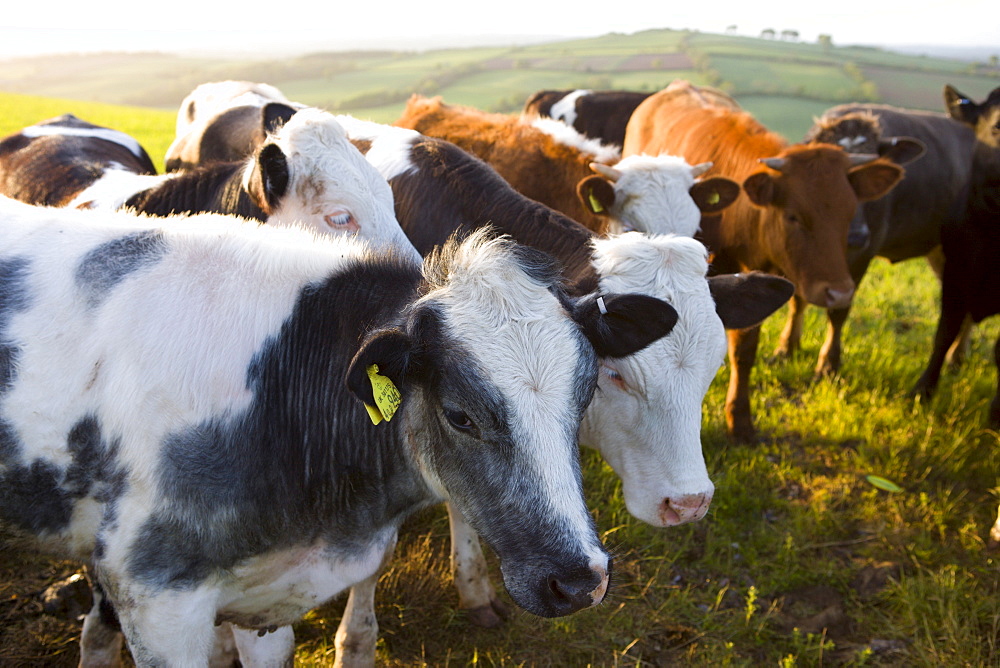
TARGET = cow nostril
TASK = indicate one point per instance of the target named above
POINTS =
(570, 595)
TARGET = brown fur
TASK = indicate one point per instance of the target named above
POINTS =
(792, 221)
(534, 163)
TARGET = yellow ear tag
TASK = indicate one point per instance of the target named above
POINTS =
(714, 198)
(387, 397)
(595, 204)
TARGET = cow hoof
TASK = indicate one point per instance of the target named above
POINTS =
(489, 616)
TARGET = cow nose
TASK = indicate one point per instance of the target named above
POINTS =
(570, 593)
(683, 509)
(838, 298)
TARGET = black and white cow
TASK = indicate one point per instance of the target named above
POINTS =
(206, 452)
(601, 114)
(50, 162)
(307, 173)
(646, 417)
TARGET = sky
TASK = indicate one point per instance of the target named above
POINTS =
(251, 26)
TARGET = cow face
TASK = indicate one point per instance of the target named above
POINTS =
(309, 174)
(657, 195)
(646, 415)
(810, 198)
(495, 374)
(983, 118)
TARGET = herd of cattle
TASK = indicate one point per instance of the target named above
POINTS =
(313, 325)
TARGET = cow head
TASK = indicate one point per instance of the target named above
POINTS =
(658, 195)
(309, 174)
(229, 136)
(984, 118)
(810, 193)
(495, 369)
(646, 416)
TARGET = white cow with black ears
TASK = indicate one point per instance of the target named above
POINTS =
(206, 452)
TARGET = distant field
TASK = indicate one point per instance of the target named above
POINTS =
(376, 84)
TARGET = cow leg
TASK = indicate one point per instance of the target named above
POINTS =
(101, 638)
(742, 353)
(168, 627)
(357, 634)
(224, 653)
(791, 336)
(828, 363)
(953, 313)
(959, 349)
(271, 650)
(470, 573)
(994, 541)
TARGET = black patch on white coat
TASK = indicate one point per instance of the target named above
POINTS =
(303, 461)
(102, 268)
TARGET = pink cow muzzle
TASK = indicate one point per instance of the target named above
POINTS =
(684, 509)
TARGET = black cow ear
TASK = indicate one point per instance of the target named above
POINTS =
(390, 351)
(901, 150)
(714, 194)
(269, 180)
(745, 300)
(960, 107)
(760, 188)
(275, 114)
(597, 194)
(618, 325)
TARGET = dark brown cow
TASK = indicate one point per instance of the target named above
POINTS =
(50, 162)
(598, 114)
(875, 226)
(971, 241)
(906, 223)
(793, 221)
(653, 193)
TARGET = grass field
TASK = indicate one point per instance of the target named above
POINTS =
(801, 560)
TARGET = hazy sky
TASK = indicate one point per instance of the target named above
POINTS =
(72, 25)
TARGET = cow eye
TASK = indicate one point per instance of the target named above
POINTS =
(614, 376)
(341, 221)
(458, 419)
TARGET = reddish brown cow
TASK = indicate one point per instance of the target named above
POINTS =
(655, 194)
(793, 220)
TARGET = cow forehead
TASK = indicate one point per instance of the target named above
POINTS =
(518, 333)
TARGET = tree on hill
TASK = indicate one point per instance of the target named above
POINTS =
(826, 41)
(767, 33)
(790, 35)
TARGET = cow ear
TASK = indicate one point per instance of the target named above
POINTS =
(275, 114)
(874, 179)
(760, 188)
(388, 349)
(714, 194)
(960, 107)
(901, 150)
(745, 300)
(622, 324)
(597, 194)
(269, 179)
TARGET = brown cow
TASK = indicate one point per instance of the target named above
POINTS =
(793, 221)
(653, 193)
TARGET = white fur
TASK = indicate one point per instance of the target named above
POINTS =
(106, 134)
(390, 146)
(650, 432)
(211, 98)
(330, 180)
(653, 195)
(565, 109)
(565, 134)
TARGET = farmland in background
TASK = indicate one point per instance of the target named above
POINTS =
(784, 83)
(801, 561)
